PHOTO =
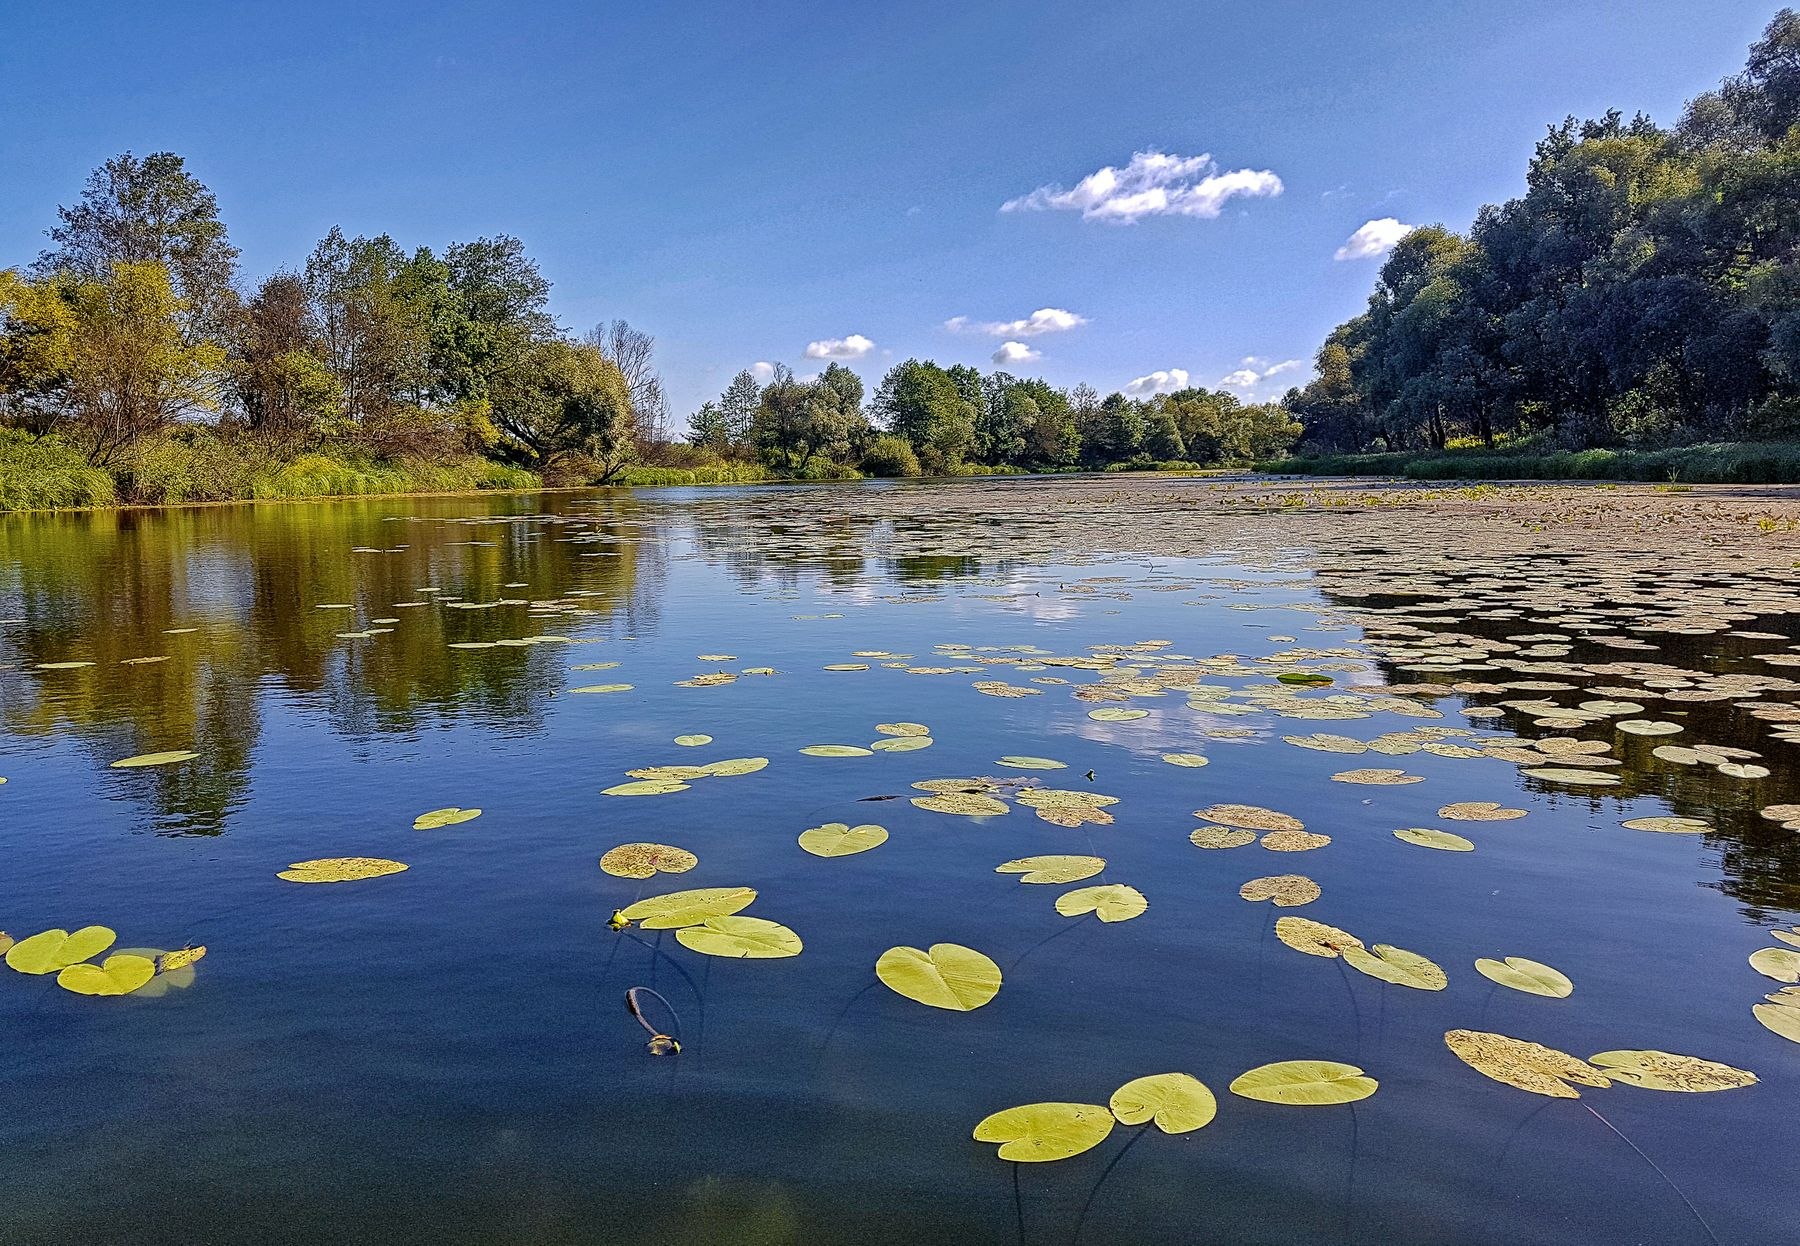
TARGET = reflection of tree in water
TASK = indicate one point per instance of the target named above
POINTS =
(110, 588)
(1759, 862)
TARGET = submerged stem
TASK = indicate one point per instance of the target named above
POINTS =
(1667, 1180)
(1104, 1173)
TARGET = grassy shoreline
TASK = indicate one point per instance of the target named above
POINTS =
(1731, 463)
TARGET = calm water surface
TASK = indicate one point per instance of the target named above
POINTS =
(443, 1055)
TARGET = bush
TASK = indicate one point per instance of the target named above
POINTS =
(890, 456)
(1719, 463)
(43, 473)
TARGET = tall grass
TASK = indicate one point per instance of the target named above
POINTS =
(45, 474)
(1718, 463)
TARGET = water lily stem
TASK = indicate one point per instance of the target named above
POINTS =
(1667, 1180)
(1104, 1174)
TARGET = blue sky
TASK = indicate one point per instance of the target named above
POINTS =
(743, 180)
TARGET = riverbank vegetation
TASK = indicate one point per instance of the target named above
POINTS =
(1634, 314)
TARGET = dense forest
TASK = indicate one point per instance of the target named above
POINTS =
(136, 365)
(1644, 291)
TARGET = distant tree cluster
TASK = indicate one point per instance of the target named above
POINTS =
(932, 420)
(134, 323)
(1644, 289)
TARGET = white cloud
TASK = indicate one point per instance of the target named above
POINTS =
(762, 370)
(1043, 320)
(1159, 382)
(1372, 238)
(1014, 352)
(853, 347)
(1253, 370)
(1154, 184)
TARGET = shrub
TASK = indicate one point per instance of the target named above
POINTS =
(890, 456)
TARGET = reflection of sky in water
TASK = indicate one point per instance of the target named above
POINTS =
(443, 1055)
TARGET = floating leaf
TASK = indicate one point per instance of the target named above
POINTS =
(1178, 1103)
(120, 975)
(1305, 1083)
(902, 744)
(836, 839)
(967, 804)
(1294, 841)
(1110, 902)
(1283, 890)
(836, 750)
(1377, 778)
(1427, 837)
(1662, 1070)
(1572, 776)
(743, 938)
(647, 860)
(1669, 825)
(1648, 726)
(339, 869)
(599, 688)
(902, 729)
(1053, 869)
(1779, 963)
(1530, 976)
(1397, 965)
(730, 768)
(1113, 715)
(1038, 1132)
(645, 787)
(1192, 760)
(1528, 1066)
(1220, 837)
(1479, 811)
(948, 976)
(1031, 763)
(154, 759)
(1781, 1014)
(687, 908)
(1314, 938)
(444, 817)
(52, 950)
(1250, 818)
(693, 741)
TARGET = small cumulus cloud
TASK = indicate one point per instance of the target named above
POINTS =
(1252, 370)
(762, 370)
(1163, 381)
(1372, 238)
(1043, 320)
(1154, 183)
(1015, 352)
(855, 346)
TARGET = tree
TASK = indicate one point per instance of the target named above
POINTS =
(37, 351)
(709, 429)
(282, 383)
(738, 405)
(923, 403)
(376, 312)
(1117, 433)
(1162, 435)
(631, 351)
(565, 398)
(150, 211)
(798, 421)
(494, 315)
(133, 370)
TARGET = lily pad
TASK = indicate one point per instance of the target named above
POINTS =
(1532, 977)
(645, 787)
(837, 839)
(1110, 714)
(53, 950)
(1282, 890)
(1190, 760)
(1397, 965)
(902, 729)
(1662, 1070)
(1250, 818)
(836, 750)
(1177, 1103)
(1304, 1083)
(444, 817)
(1314, 938)
(1031, 763)
(948, 976)
(154, 759)
(1294, 841)
(1428, 837)
(965, 804)
(1380, 777)
(1479, 811)
(694, 740)
(647, 860)
(1221, 837)
(120, 975)
(1779, 963)
(740, 938)
(340, 869)
(1110, 902)
(1052, 869)
(1527, 1066)
(1669, 825)
(687, 908)
(1039, 1132)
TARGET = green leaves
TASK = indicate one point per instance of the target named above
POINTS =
(1305, 1083)
(688, 908)
(1532, 977)
(170, 758)
(120, 975)
(1036, 1133)
(1177, 1103)
(740, 938)
(444, 817)
(835, 839)
(53, 950)
(339, 869)
(1052, 869)
(1113, 902)
(948, 976)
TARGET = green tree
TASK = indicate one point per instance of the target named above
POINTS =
(279, 375)
(37, 351)
(924, 404)
(566, 398)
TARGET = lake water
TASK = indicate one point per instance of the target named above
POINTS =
(444, 1055)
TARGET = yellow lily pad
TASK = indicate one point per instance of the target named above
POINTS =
(1663, 1070)
(1528, 1066)
(1304, 1083)
(902, 729)
(1015, 762)
(836, 750)
(694, 740)
(1779, 963)
(1428, 837)
(1112, 902)
(444, 817)
(965, 804)
(1221, 837)
(1283, 890)
(741, 938)
(1532, 977)
(1250, 818)
(154, 759)
(1294, 841)
(1314, 938)
(1479, 811)
(647, 860)
(1177, 1103)
(836, 839)
(688, 908)
(645, 787)
(948, 976)
(1052, 869)
(120, 975)
(53, 950)
(1397, 965)
(339, 869)
(1191, 760)
(1039, 1132)
(1113, 715)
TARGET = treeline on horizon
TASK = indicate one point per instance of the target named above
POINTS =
(135, 364)
(1643, 293)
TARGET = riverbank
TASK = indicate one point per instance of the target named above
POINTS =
(1731, 463)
